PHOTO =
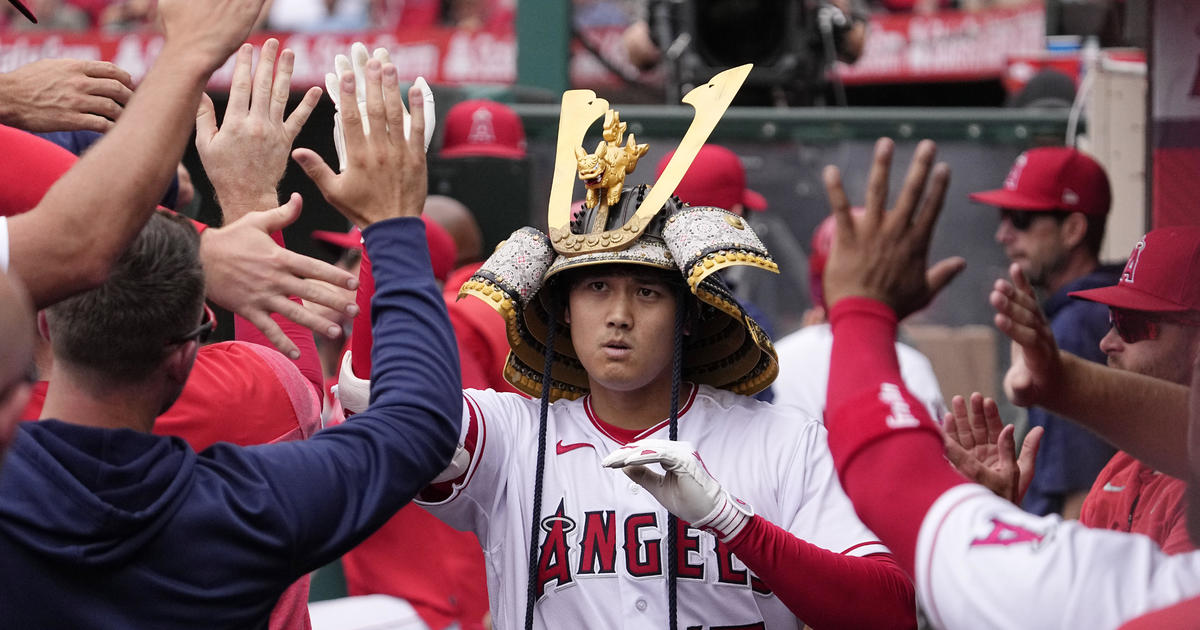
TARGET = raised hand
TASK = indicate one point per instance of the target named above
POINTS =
(206, 32)
(357, 63)
(686, 489)
(1036, 365)
(64, 95)
(982, 447)
(248, 273)
(246, 157)
(882, 255)
(385, 174)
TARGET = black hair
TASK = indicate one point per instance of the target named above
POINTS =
(123, 329)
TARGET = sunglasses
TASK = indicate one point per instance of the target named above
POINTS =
(201, 332)
(1021, 220)
(1134, 326)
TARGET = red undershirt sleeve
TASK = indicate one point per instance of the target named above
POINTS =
(844, 592)
(360, 338)
(887, 450)
(309, 363)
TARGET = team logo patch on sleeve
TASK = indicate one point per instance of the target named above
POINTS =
(1005, 534)
(901, 416)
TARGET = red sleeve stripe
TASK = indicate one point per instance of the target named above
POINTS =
(473, 442)
(861, 545)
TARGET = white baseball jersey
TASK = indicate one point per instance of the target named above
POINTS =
(982, 562)
(604, 539)
(804, 372)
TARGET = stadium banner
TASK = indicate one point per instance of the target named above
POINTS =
(946, 46)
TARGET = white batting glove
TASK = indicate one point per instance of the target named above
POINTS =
(353, 392)
(687, 489)
(355, 395)
(357, 63)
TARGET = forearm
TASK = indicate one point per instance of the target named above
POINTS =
(8, 110)
(887, 451)
(347, 480)
(59, 250)
(1143, 416)
(852, 592)
(414, 355)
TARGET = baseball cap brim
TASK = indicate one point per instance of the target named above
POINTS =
(753, 200)
(1011, 199)
(24, 10)
(1121, 296)
(345, 240)
(483, 150)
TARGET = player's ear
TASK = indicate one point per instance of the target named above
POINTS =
(1074, 229)
(178, 363)
(567, 313)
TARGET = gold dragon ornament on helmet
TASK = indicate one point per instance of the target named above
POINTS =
(640, 225)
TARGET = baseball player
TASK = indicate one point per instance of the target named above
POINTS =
(622, 348)
(978, 560)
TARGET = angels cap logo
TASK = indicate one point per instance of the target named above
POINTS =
(482, 131)
(1014, 175)
(1131, 267)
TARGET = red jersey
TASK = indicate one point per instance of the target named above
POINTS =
(1129, 496)
(480, 330)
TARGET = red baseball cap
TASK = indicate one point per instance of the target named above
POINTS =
(24, 10)
(345, 240)
(483, 128)
(715, 178)
(1052, 178)
(442, 250)
(1160, 276)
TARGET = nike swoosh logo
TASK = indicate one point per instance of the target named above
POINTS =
(561, 448)
(1108, 487)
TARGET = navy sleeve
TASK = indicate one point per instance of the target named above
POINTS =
(314, 500)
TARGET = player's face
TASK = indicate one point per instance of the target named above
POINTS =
(1169, 355)
(623, 327)
(1034, 241)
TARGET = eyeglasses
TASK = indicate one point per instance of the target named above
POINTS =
(1134, 326)
(201, 332)
(1021, 220)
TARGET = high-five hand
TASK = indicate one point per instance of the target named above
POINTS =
(357, 63)
(245, 158)
(882, 255)
(385, 170)
(983, 448)
(1036, 364)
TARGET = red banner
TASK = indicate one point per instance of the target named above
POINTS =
(948, 46)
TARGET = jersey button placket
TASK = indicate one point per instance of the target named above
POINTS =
(641, 605)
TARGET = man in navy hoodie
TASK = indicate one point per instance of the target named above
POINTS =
(104, 525)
